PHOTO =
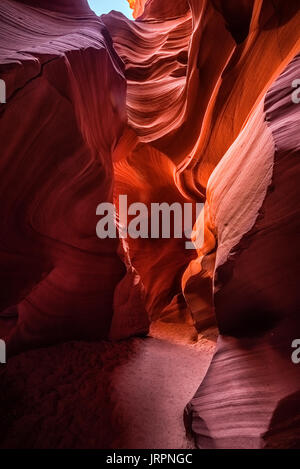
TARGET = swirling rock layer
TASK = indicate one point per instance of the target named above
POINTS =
(56, 167)
(192, 102)
(250, 396)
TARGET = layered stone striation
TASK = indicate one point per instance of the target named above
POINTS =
(191, 102)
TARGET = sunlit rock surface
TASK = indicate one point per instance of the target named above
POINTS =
(192, 102)
(250, 396)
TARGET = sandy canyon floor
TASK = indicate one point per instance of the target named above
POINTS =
(129, 394)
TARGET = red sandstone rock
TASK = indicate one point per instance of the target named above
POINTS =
(58, 130)
(184, 104)
(250, 396)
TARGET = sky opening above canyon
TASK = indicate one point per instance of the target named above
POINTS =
(105, 6)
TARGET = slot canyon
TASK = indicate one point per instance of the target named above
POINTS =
(136, 342)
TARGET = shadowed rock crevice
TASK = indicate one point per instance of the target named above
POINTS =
(190, 103)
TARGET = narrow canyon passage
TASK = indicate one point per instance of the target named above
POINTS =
(152, 388)
(128, 395)
(149, 236)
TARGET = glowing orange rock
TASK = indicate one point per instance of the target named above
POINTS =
(191, 102)
(137, 6)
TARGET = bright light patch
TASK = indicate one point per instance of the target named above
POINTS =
(105, 6)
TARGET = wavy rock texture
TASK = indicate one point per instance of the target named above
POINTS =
(183, 100)
(256, 296)
(189, 103)
(58, 131)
